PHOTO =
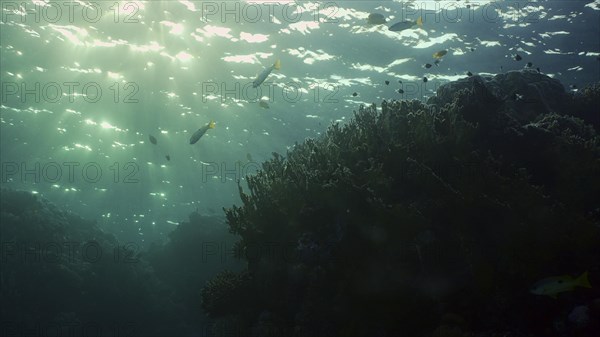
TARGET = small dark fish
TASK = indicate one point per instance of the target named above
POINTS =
(399, 81)
(387, 82)
(538, 70)
(518, 57)
(472, 49)
(425, 79)
(469, 73)
(468, 6)
(400, 91)
(427, 65)
(573, 86)
(529, 64)
(376, 19)
(263, 104)
(403, 25)
(355, 94)
(200, 132)
(168, 157)
(501, 68)
(152, 139)
(437, 63)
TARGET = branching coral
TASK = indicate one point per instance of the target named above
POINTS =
(226, 293)
(410, 205)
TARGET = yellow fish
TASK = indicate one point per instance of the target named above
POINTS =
(552, 286)
(263, 76)
(200, 132)
(400, 26)
(440, 54)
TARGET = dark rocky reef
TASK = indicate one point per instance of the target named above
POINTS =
(586, 103)
(197, 250)
(524, 94)
(62, 275)
(423, 219)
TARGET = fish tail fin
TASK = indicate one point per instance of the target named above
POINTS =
(583, 280)
(211, 125)
(420, 21)
(277, 65)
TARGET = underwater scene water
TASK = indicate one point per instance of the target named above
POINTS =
(295, 168)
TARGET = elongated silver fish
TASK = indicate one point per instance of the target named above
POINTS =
(200, 132)
(263, 76)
